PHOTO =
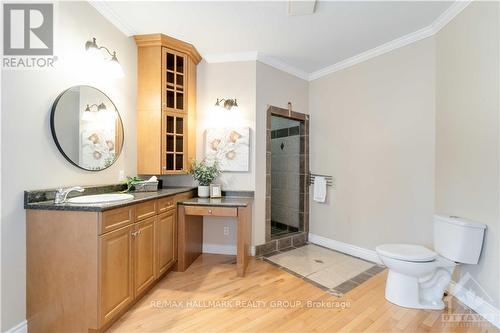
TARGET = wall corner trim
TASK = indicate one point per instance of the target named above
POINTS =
(22, 327)
(476, 303)
(105, 10)
(350, 249)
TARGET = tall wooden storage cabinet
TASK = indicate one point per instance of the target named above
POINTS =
(166, 104)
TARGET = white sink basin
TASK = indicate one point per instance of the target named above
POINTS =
(100, 198)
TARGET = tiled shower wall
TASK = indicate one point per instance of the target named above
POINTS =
(295, 239)
(285, 176)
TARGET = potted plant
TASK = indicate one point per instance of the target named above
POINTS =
(204, 174)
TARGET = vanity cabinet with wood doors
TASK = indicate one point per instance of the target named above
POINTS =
(86, 268)
(166, 104)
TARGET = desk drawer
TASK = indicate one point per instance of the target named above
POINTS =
(145, 210)
(208, 211)
(165, 204)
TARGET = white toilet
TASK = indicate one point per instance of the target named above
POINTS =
(418, 276)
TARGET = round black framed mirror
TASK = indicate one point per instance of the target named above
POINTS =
(87, 128)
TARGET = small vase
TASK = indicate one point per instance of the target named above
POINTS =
(203, 191)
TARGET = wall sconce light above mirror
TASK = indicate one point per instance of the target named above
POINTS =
(227, 103)
(91, 110)
(99, 107)
(112, 64)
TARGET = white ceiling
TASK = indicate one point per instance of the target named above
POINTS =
(306, 44)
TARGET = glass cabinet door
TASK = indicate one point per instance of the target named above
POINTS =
(175, 143)
(173, 81)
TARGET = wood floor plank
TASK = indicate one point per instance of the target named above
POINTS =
(211, 280)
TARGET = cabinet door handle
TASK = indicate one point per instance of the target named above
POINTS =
(209, 211)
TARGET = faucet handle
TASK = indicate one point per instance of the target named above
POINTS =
(61, 193)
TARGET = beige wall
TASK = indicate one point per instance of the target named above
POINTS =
(372, 129)
(30, 159)
(467, 131)
(277, 88)
(228, 80)
(223, 80)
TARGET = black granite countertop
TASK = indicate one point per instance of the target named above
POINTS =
(218, 202)
(138, 198)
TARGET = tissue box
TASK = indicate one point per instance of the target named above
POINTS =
(146, 187)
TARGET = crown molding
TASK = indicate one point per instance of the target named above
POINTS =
(105, 10)
(375, 52)
(449, 14)
(164, 40)
(284, 67)
(230, 57)
(256, 56)
(442, 20)
(456, 8)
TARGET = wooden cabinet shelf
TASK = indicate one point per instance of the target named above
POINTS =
(166, 104)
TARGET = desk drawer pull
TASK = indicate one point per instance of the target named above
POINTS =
(214, 211)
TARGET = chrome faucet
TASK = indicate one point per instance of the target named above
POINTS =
(61, 193)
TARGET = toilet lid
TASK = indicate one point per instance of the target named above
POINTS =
(407, 252)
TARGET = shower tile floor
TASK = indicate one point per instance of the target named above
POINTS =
(280, 229)
(330, 270)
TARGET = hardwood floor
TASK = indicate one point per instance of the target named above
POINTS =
(208, 297)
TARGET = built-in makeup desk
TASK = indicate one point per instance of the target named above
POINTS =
(190, 227)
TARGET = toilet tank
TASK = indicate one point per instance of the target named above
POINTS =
(458, 239)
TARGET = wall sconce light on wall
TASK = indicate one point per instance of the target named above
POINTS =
(88, 113)
(99, 107)
(114, 66)
(227, 103)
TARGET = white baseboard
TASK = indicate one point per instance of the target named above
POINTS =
(219, 249)
(352, 250)
(225, 249)
(22, 327)
(476, 303)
